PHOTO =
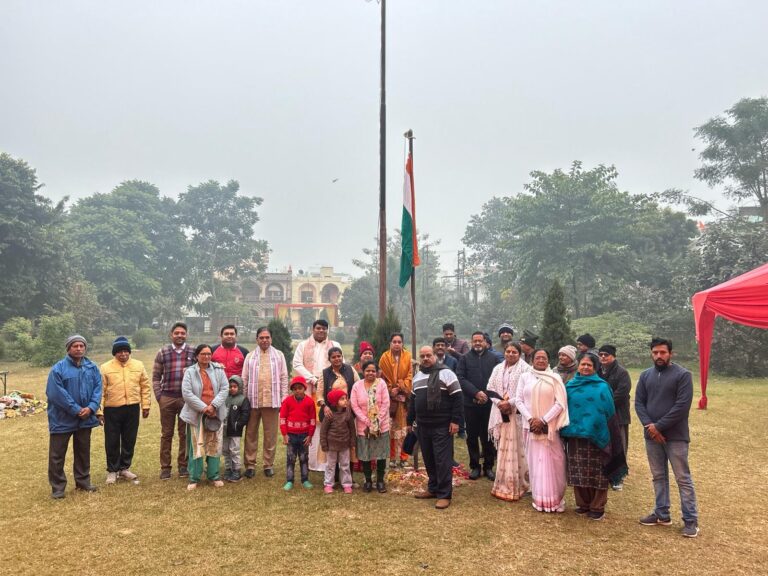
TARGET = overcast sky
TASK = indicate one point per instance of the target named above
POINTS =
(283, 96)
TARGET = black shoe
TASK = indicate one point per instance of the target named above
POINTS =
(367, 486)
(87, 488)
(165, 474)
(474, 474)
(381, 488)
(268, 472)
(250, 473)
(58, 495)
(580, 510)
(183, 472)
(597, 516)
(491, 475)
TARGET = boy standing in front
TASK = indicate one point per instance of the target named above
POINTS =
(297, 425)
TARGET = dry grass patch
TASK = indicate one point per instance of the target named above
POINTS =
(255, 527)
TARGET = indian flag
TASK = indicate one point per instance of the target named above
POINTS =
(410, 255)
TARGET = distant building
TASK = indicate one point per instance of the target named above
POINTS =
(285, 294)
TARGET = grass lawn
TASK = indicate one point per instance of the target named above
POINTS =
(254, 527)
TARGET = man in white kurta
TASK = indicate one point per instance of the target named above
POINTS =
(309, 360)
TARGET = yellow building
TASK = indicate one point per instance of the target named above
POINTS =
(286, 294)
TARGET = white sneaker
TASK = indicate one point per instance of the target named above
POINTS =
(111, 477)
(128, 475)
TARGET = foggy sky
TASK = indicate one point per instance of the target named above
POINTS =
(283, 96)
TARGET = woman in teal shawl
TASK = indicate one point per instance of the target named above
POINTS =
(595, 454)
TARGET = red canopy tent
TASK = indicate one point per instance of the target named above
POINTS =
(743, 299)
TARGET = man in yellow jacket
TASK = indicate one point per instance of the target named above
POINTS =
(126, 393)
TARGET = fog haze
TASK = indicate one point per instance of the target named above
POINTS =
(283, 96)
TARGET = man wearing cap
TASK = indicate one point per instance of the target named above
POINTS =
(454, 346)
(125, 393)
(167, 375)
(586, 343)
(621, 384)
(309, 361)
(265, 384)
(74, 397)
(436, 408)
(528, 345)
(229, 353)
(506, 333)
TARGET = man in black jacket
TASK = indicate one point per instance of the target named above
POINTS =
(621, 384)
(474, 370)
(436, 408)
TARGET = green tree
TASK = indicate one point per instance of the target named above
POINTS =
(18, 339)
(365, 331)
(578, 227)
(281, 339)
(384, 330)
(736, 154)
(34, 267)
(220, 224)
(556, 329)
(362, 295)
(129, 244)
(307, 317)
(81, 300)
(631, 338)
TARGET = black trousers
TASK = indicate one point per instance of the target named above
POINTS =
(121, 426)
(477, 433)
(57, 453)
(436, 445)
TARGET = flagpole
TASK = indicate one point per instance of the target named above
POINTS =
(409, 136)
(382, 173)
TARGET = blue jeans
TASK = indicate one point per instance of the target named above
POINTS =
(676, 453)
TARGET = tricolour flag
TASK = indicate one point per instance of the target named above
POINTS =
(410, 255)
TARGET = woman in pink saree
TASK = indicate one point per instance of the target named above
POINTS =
(542, 402)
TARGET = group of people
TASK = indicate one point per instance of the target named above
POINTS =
(529, 428)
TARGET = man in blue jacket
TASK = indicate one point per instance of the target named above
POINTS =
(662, 402)
(74, 396)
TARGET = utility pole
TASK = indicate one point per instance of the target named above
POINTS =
(383, 172)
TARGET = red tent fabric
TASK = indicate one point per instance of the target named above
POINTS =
(743, 299)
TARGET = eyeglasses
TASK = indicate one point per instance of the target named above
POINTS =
(604, 354)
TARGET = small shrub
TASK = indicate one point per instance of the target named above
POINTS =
(143, 336)
(17, 337)
(53, 331)
(630, 338)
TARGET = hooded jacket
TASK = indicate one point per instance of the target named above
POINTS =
(238, 413)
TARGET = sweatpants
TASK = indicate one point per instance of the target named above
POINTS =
(342, 458)
(121, 426)
(231, 453)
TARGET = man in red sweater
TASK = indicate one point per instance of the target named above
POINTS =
(229, 353)
(297, 425)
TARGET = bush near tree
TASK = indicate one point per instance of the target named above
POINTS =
(281, 339)
(384, 330)
(52, 332)
(631, 338)
(556, 329)
(16, 337)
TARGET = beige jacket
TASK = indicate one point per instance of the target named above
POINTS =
(124, 384)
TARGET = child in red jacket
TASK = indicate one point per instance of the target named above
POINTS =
(297, 425)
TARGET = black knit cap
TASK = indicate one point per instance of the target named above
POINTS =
(608, 349)
(587, 339)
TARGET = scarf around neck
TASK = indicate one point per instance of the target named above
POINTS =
(590, 403)
(433, 385)
(503, 382)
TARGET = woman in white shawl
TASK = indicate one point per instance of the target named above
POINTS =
(543, 405)
(505, 426)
